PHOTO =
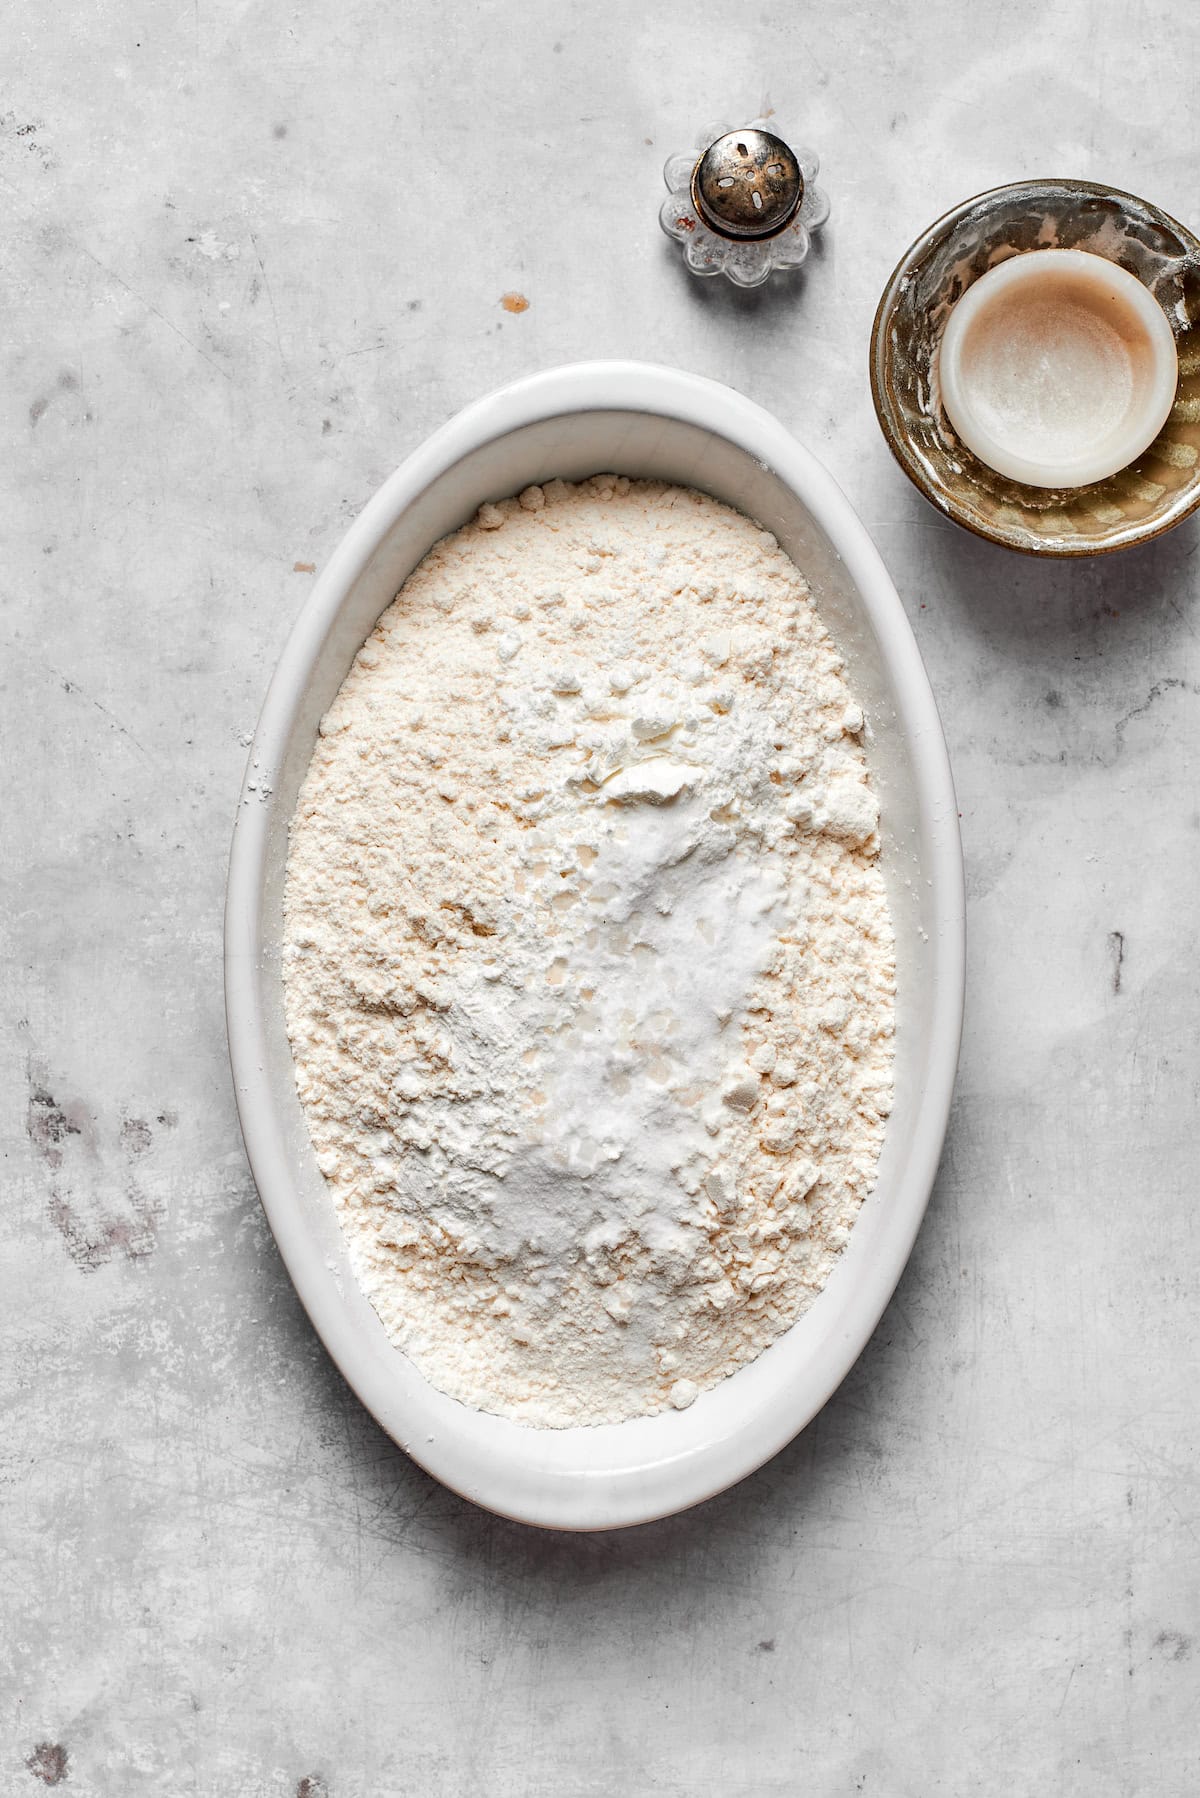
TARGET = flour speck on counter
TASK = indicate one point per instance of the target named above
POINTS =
(588, 962)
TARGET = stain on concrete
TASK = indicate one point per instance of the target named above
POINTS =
(312, 1786)
(48, 1124)
(26, 134)
(1116, 951)
(92, 1243)
(1173, 1645)
(136, 1136)
(81, 1188)
(48, 1762)
(1171, 684)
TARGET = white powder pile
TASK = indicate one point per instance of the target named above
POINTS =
(588, 960)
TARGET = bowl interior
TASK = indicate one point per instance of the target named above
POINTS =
(1155, 491)
(596, 1477)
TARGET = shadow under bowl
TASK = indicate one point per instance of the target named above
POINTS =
(1139, 502)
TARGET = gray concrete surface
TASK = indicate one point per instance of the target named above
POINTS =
(252, 254)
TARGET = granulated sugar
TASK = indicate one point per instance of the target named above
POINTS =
(588, 959)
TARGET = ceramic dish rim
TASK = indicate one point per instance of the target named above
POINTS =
(670, 1482)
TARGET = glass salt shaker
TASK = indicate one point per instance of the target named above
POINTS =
(743, 203)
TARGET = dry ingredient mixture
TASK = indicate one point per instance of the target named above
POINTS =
(588, 961)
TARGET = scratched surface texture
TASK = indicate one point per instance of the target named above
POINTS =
(252, 254)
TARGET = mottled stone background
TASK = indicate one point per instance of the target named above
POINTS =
(252, 254)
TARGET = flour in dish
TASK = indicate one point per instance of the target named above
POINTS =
(588, 962)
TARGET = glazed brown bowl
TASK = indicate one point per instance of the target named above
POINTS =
(1140, 502)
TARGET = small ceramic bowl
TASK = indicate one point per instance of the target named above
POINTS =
(1157, 490)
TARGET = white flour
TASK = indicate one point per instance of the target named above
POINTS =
(588, 960)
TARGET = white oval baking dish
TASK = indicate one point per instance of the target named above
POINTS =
(572, 422)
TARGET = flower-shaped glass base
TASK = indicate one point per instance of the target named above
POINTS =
(747, 263)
